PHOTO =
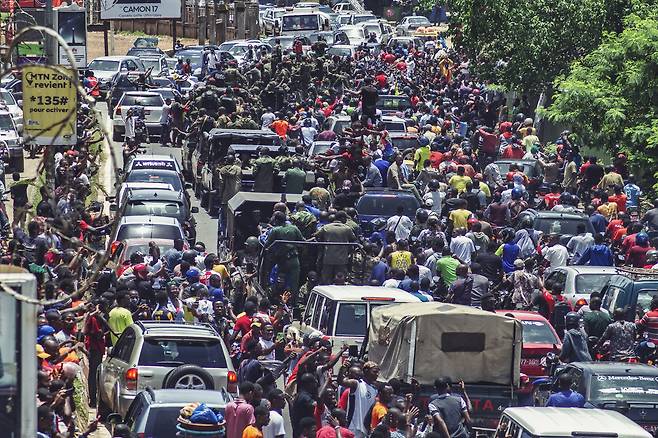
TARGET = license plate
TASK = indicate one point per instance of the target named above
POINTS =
(533, 361)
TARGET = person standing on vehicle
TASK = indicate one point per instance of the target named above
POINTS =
(263, 171)
(449, 412)
(285, 256)
(621, 334)
(566, 398)
(574, 343)
(230, 183)
(335, 257)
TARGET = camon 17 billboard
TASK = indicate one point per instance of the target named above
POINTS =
(139, 9)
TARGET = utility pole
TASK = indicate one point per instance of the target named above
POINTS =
(52, 55)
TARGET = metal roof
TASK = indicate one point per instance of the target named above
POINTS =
(357, 293)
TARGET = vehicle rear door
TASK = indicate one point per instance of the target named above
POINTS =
(118, 362)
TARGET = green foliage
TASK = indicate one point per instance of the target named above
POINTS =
(525, 44)
(610, 97)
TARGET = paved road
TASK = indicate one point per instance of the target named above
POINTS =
(206, 229)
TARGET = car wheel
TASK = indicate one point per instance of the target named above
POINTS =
(188, 377)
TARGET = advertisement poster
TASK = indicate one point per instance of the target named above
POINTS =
(138, 9)
(72, 26)
(49, 105)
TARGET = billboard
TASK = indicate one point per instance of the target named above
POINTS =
(49, 105)
(139, 9)
(72, 27)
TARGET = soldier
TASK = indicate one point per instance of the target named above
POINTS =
(264, 171)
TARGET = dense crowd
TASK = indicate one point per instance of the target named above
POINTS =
(471, 242)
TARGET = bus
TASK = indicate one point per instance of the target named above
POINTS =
(304, 21)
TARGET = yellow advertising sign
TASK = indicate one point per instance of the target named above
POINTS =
(49, 105)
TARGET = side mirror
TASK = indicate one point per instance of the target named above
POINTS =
(20, 102)
(124, 68)
(113, 207)
(19, 127)
(194, 210)
(188, 186)
(110, 198)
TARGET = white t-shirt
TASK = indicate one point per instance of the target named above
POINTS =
(364, 398)
(557, 255)
(462, 247)
(275, 427)
(265, 344)
(401, 226)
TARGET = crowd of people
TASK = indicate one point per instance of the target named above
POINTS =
(471, 240)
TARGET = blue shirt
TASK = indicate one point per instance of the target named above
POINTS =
(379, 272)
(633, 193)
(566, 399)
(597, 255)
(383, 166)
(311, 209)
(599, 222)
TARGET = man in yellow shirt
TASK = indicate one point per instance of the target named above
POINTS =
(459, 181)
(422, 153)
(255, 430)
(119, 317)
(460, 216)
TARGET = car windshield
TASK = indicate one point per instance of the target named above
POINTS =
(393, 103)
(394, 126)
(103, 65)
(149, 231)
(155, 63)
(354, 32)
(162, 421)
(320, 148)
(588, 283)
(644, 297)
(193, 55)
(373, 28)
(206, 353)
(167, 94)
(624, 388)
(144, 248)
(361, 18)
(6, 123)
(133, 100)
(537, 332)
(528, 168)
(155, 208)
(7, 98)
(419, 20)
(238, 50)
(385, 205)
(336, 51)
(352, 320)
(300, 22)
(156, 177)
(559, 225)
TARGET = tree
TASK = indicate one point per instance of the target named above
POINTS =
(526, 44)
(610, 97)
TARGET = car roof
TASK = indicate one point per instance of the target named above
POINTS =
(140, 93)
(342, 46)
(544, 214)
(115, 58)
(148, 219)
(582, 269)
(524, 315)
(185, 396)
(385, 191)
(176, 329)
(146, 185)
(134, 241)
(155, 195)
(566, 422)
(357, 293)
(513, 161)
(633, 369)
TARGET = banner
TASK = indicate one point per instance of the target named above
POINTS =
(49, 105)
(139, 9)
(72, 26)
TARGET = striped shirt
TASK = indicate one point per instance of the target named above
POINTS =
(649, 324)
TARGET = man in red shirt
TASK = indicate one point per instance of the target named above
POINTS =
(553, 198)
(619, 198)
(338, 421)
(514, 151)
(649, 322)
(637, 255)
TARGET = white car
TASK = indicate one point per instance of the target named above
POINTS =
(106, 67)
(272, 19)
(158, 63)
(578, 282)
(342, 50)
(356, 34)
(240, 50)
(7, 100)
(11, 139)
(152, 104)
(343, 7)
(409, 24)
(149, 227)
(135, 187)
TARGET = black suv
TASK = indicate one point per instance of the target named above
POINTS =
(631, 290)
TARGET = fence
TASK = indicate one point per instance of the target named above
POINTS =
(206, 21)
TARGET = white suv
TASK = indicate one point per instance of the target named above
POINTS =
(152, 104)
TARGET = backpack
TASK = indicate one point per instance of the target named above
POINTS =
(560, 311)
